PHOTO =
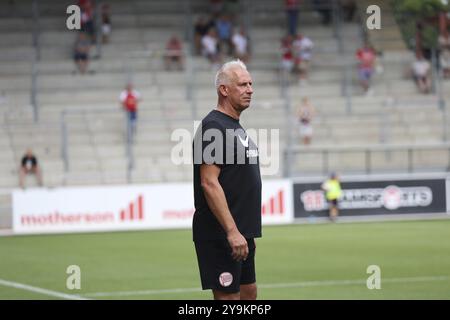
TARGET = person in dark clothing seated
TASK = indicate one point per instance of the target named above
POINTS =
(29, 165)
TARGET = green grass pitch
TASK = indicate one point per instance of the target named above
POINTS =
(316, 261)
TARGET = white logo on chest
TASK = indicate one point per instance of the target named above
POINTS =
(244, 142)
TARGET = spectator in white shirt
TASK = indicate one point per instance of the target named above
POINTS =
(444, 53)
(302, 47)
(422, 73)
(210, 49)
(240, 45)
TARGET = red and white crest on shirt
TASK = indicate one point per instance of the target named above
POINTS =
(225, 279)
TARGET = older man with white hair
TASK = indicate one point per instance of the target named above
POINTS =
(227, 191)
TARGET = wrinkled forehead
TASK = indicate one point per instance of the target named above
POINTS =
(239, 75)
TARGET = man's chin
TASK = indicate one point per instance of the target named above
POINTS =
(245, 105)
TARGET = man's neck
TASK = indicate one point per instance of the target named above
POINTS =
(228, 110)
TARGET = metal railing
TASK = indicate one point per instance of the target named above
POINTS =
(348, 72)
(36, 28)
(36, 57)
(129, 136)
(337, 24)
(98, 30)
(65, 135)
(188, 30)
(5, 209)
(437, 85)
(367, 151)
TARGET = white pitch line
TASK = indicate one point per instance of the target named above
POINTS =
(271, 285)
(40, 290)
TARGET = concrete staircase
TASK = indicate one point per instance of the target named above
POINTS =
(96, 139)
(389, 37)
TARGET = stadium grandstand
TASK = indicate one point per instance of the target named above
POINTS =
(74, 124)
(357, 88)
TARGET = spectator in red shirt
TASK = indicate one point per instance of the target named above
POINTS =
(174, 53)
(129, 99)
(287, 58)
(87, 18)
(366, 57)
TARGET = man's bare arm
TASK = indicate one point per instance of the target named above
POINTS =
(215, 197)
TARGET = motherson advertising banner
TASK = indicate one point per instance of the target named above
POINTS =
(156, 206)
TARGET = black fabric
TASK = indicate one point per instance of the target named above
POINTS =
(239, 177)
(27, 160)
(214, 259)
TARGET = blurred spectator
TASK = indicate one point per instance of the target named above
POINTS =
(81, 52)
(306, 113)
(287, 57)
(291, 8)
(87, 18)
(366, 57)
(348, 9)
(216, 7)
(174, 53)
(444, 62)
(29, 165)
(422, 73)
(302, 47)
(106, 22)
(210, 50)
(240, 45)
(444, 40)
(201, 29)
(333, 191)
(323, 7)
(444, 53)
(129, 99)
(224, 27)
(231, 8)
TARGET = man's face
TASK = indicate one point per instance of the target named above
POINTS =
(240, 89)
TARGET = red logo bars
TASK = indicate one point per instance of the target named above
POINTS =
(135, 210)
(274, 205)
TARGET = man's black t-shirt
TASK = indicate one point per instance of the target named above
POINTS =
(239, 177)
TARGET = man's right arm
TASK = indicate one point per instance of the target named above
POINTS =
(215, 197)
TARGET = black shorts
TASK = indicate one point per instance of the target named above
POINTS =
(333, 202)
(80, 56)
(219, 271)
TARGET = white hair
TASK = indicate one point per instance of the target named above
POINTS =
(223, 76)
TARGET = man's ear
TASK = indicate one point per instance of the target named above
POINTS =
(223, 90)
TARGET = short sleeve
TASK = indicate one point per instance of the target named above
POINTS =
(210, 144)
